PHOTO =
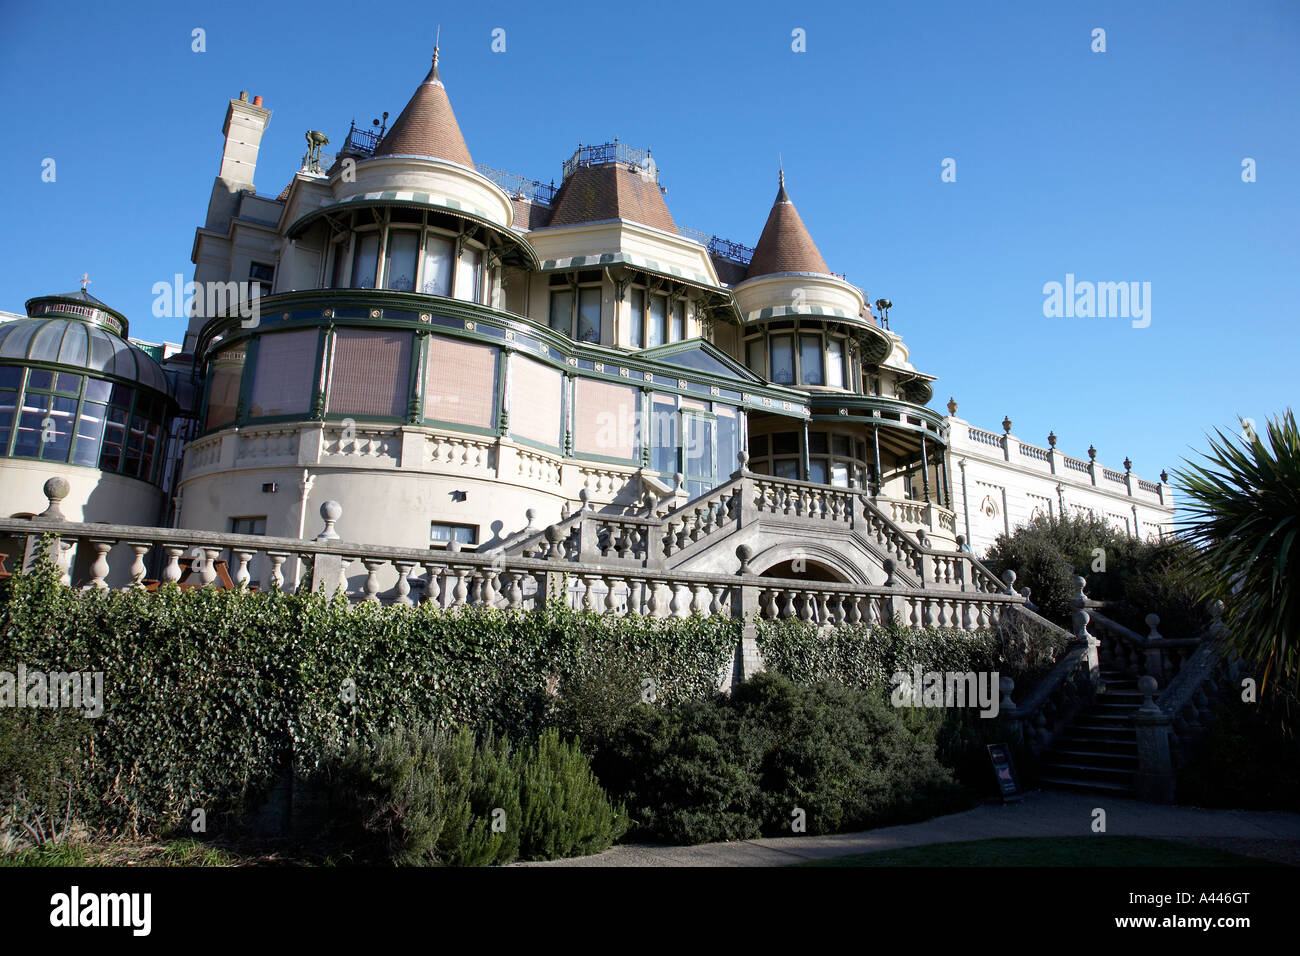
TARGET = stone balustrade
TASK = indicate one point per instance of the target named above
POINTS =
(607, 575)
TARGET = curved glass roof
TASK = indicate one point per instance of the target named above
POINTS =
(79, 345)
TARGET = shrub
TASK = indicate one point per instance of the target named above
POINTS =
(735, 768)
(422, 797)
(564, 812)
(1246, 760)
(41, 795)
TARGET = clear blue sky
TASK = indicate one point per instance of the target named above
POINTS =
(1115, 166)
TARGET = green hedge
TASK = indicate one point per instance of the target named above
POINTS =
(210, 695)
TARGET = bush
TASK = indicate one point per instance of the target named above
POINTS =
(1245, 761)
(422, 797)
(735, 768)
(564, 812)
(1139, 576)
(40, 775)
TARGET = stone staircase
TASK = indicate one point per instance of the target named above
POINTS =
(1097, 751)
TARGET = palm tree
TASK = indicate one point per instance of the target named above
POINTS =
(1242, 509)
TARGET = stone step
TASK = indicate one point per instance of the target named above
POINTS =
(1103, 730)
(1089, 771)
(1075, 783)
(1114, 745)
(1082, 754)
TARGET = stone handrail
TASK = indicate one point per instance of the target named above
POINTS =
(452, 579)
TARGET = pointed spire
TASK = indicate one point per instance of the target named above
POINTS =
(427, 126)
(785, 245)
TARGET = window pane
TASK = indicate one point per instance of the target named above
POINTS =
(605, 419)
(840, 474)
(97, 390)
(840, 446)
(8, 408)
(817, 444)
(785, 443)
(561, 319)
(782, 360)
(437, 265)
(636, 299)
(41, 379)
(285, 374)
(817, 470)
(90, 430)
(810, 359)
(340, 277)
(756, 356)
(10, 376)
(835, 362)
(786, 468)
(67, 384)
(467, 274)
(367, 260)
(461, 382)
(663, 436)
(758, 446)
(679, 320)
(536, 394)
(114, 438)
(371, 373)
(226, 372)
(589, 315)
(399, 264)
(56, 429)
(728, 443)
(655, 327)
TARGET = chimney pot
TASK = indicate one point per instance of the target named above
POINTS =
(257, 101)
(243, 95)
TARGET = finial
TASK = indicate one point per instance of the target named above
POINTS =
(780, 170)
(85, 278)
(437, 35)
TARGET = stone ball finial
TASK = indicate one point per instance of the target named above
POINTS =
(1147, 687)
(553, 533)
(961, 542)
(1051, 439)
(889, 566)
(742, 458)
(584, 496)
(678, 478)
(55, 490)
(1006, 685)
(531, 516)
(920, 537)
(1006, 424)
(1153, 624)
(1009, 578)
(454, 546)
(744, 552)
(330, 511)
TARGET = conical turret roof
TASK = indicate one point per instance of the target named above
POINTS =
(785, 245)
(427, 126)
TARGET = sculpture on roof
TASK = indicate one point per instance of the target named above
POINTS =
(315, 140)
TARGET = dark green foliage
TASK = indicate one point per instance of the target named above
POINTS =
(211, 695)
(1138, 578)
(563, 809)
(41, 757)
(862, 656)
(423, 797)
(1246, 761)
(1243, 508)
(735, 768)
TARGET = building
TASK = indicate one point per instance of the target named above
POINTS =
(462, 356)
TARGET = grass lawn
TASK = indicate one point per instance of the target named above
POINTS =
(1050, 851)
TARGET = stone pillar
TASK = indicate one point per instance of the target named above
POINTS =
(1155, 777)
(746, 659)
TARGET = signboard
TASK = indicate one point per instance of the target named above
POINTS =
(1005, 771)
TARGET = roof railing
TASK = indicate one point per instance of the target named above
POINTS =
(614, 152)
(518, 186)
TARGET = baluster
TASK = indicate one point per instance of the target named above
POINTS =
(141, 548)
(853, 608)
(715, 605)
(372, 581)
(806, 608)
(172, 571)
(836, 603)
(432, 586)
(277, 570)
(515, 590)
(242, 576)
(461, 591)
(99, 567)
(873, 610)
(698, 604)
(589, 592)
(610, 602)
(403, 583)
(677, 606)
(787, 605)
(766, 604)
